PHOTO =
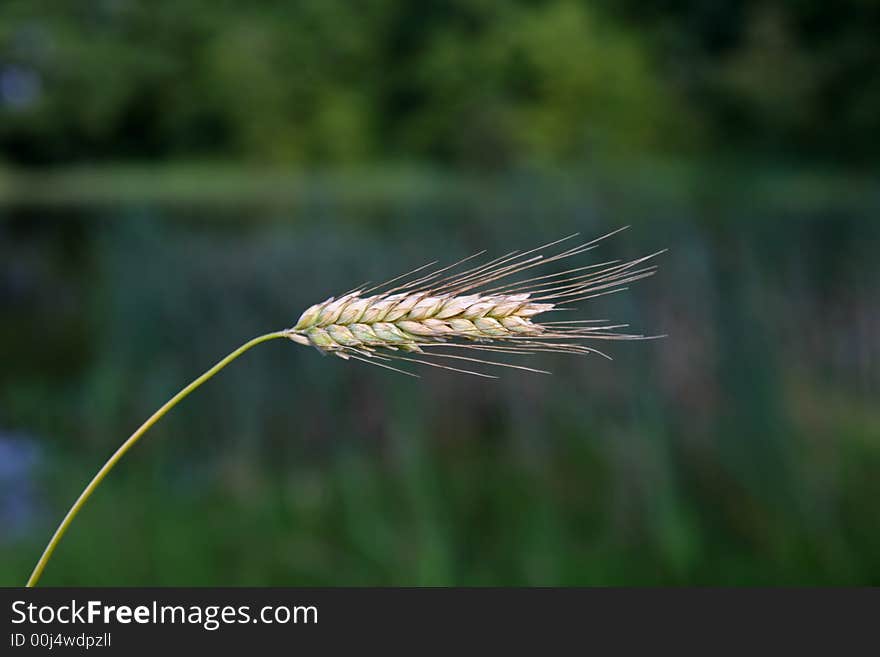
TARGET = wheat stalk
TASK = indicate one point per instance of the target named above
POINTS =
(419, 317)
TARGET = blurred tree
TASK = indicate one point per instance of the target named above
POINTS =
(787, 77)
(490, 82)
(550, 81)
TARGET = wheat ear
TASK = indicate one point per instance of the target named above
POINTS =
(419, 317)
(440, 312)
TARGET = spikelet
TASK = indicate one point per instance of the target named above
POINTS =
(430, 314)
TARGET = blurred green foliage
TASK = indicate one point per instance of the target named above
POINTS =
(180, 175)
(486, 83)
(743, 449)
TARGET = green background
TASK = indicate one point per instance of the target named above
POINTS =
(179, 176)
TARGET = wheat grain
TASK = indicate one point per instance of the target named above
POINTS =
(461, 311)
(423, 314)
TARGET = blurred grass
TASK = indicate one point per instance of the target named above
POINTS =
(208, 183)
(212, 184)
(743, 449)
(171, 185)
(470, 515)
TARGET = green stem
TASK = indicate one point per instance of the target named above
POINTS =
(128, 444)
